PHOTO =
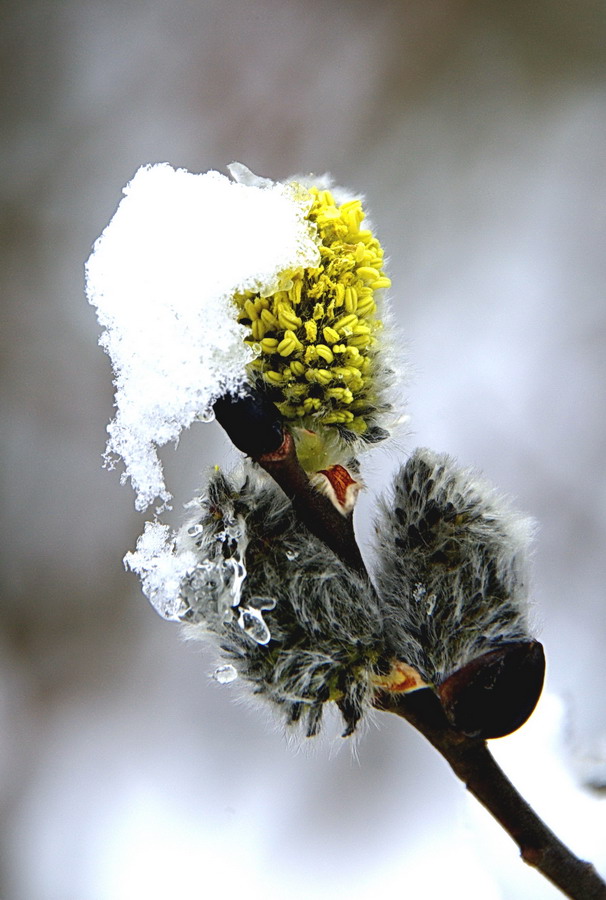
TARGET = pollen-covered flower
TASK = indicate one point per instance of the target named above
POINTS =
(289, 618)
(205, 284)
(318, 334)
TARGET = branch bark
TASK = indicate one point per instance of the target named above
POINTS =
(254, 425)
(472, 762)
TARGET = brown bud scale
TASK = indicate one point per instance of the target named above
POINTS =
(494, 694)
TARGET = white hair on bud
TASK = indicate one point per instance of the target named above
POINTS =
(303, 628)
(451, 567)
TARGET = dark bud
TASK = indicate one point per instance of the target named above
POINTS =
(252, 422)
(495, 694)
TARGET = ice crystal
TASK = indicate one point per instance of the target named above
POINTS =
(161, 568)
(225, 674)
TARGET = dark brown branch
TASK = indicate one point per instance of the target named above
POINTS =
(315, 510)
(473, 763)
(254, 425)
(468, 757)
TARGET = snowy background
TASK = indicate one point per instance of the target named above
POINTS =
(477, 131)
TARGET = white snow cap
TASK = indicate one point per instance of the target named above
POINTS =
(162, 277)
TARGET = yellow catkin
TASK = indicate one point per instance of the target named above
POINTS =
(296, 291)
(311, 404)
(341, 416)
(315, 335)
(296, 391)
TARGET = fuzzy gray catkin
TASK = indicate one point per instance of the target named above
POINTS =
(297, 624)
(451, 569)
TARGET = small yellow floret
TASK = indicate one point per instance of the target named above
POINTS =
(330, 335)
(311, 330)
(297, 367)
(272, 377)
(325, 353)
(367, 273)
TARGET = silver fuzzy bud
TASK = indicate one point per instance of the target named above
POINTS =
(297, 624)
(452, 567)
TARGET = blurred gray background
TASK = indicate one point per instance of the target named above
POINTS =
(477, 131)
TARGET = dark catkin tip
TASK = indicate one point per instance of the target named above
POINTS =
(251, 420)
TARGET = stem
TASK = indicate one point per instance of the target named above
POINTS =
(314, 510)
(255, 426)
(472, 762)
